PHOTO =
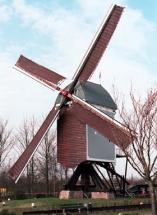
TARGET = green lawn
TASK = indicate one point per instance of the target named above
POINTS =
(19, 206)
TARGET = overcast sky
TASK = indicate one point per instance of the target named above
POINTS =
(56, 34)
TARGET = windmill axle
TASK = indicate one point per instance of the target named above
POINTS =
(65, 93)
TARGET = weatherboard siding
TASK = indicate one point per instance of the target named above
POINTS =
(71, 140)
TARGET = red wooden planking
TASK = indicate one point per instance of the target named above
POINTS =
(99, 121)
(98, 47)
(42, 73)
(71, 140)
(21, 163)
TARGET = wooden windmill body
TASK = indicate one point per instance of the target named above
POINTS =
(86, 130)
(77, 141)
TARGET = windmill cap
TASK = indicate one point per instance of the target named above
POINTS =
(95, 94)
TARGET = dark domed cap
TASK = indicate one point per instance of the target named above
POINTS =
(95, 94)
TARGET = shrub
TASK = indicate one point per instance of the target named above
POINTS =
(6, 212)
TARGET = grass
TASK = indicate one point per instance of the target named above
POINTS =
(142, 212)
(19, 206)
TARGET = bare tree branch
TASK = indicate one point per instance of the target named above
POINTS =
(6, 141)
(141, 153)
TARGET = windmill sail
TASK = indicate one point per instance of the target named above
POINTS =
(110, 128)
(39, 72)
(17, 169)
(98, 46)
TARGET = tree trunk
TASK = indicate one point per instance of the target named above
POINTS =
(32, 177)
(153, 197)
(54, 186)
(47, 175)
(28, 180)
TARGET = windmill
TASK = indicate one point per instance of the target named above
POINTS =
(86, 129)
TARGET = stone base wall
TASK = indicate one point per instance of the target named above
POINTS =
(102, 195)
(66, 194)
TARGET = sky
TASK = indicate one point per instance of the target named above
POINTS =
(57, 34)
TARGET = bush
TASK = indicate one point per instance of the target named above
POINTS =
(20, 195)
(6, 212)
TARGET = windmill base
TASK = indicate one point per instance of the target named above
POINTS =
(102, 195)
(67, 194)
(89, 178)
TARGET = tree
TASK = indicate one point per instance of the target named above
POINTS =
(47, 163)
(142, 124)
(5, 141)
(25, 135)
(63, 175)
